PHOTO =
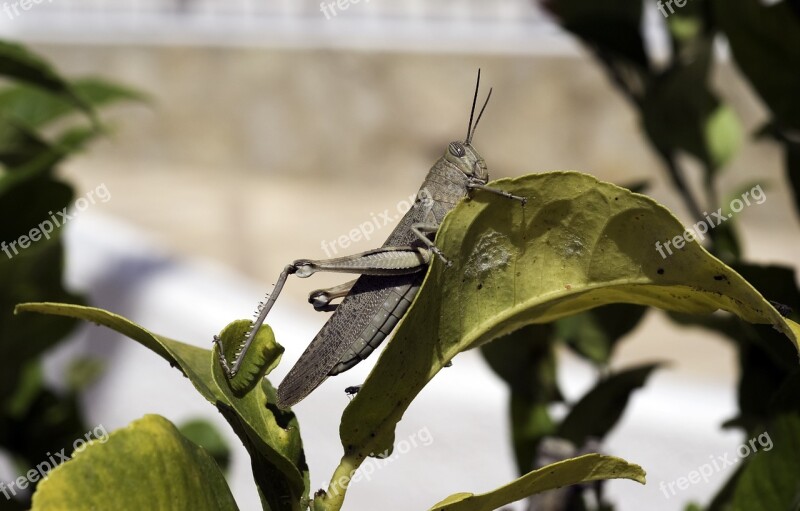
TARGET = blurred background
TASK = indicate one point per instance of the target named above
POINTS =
(274, 126)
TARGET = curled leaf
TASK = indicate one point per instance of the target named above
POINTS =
(262, 357)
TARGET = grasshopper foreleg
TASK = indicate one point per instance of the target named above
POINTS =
(385, 261)
(321, 298)
(421, 231)
(496, 191)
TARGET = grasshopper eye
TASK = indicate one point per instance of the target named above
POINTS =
(457, 149)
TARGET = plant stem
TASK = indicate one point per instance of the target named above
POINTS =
(333, 498)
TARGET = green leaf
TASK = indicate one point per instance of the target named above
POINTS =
(17, 63)
(146, 465)
(204, 434)
(36, 108)
(591, 467)
(600, 409)
(578, 244)
(271, 435)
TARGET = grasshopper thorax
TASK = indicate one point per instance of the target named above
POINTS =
(466, 159)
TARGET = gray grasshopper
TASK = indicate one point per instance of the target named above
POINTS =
(390, 275)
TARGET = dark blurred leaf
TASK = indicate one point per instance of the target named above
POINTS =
(12, 505)
(34, 273)
(18, 63)
(206, 435)
(761, 376)
(792, 151)
(83, 372)
(765, 363)
(595, 333)
(682, 114)
(639, 186)
(50, 423)
(525, 359)
(726, 242)
(721, 501)
(771, 479)
(598, 410)
(765, 40)
(30, 386)
(612, 27)
(18, 143)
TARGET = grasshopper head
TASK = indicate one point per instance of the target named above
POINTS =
(462, 154)
(468, 161)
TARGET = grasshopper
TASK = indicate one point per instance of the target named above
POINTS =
(390, 275)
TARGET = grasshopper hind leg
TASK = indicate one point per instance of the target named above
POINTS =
(321, 298)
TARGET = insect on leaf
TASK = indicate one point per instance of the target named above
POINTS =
(577, 244)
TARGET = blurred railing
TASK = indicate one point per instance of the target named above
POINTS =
(450, 25)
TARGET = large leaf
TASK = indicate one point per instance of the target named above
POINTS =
(271, 435)
(591, 467)
(578, 244)
(146, 465)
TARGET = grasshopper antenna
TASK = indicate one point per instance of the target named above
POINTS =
(471, 129)
(474, 128)
(472, 112)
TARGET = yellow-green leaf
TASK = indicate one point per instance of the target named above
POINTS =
(577, 244)
(146, 465)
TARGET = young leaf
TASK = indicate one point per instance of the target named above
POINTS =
(263, 356)
(146, 465)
